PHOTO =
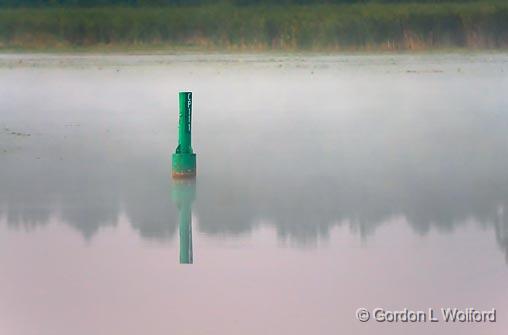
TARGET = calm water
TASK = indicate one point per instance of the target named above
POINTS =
(324, 184)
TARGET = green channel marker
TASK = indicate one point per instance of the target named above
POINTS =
(184, 159)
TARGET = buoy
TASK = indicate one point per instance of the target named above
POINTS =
(184, 158)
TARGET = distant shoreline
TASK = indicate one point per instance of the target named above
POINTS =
(171, 50)
(214, 28)
(429, 63)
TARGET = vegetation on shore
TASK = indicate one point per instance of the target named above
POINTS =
(369, 26)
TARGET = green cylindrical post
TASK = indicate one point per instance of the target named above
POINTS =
(184, 158)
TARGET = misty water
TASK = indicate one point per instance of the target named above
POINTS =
(325, 184)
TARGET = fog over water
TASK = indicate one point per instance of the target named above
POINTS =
(325, 183)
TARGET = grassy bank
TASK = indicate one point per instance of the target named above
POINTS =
(318, 27)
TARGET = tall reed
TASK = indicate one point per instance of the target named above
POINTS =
(263, 27)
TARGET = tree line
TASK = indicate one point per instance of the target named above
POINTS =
(149, 3)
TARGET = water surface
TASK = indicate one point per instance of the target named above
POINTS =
(325, 184)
